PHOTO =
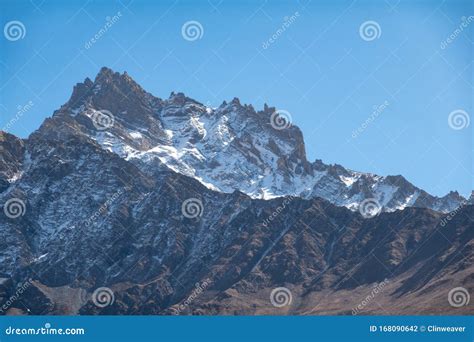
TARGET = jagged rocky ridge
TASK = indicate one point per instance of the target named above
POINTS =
(227, 148)
(95, 217)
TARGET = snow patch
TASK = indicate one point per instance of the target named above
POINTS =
(136, 135)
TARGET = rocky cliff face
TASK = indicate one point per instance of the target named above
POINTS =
(12, 151)
(163, 211)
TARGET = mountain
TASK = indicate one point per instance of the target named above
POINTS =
(145, 216)
(226, 148)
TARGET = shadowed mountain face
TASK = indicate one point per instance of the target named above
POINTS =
(162, 210)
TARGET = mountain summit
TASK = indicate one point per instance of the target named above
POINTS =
(231, 147)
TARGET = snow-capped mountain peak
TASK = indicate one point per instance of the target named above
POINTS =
(231, 147)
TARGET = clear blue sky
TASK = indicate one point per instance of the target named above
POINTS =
(319, 69)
